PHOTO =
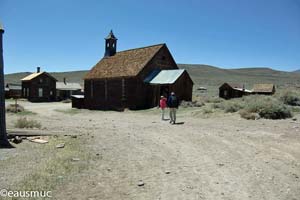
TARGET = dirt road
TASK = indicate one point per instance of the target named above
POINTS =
(218, 157)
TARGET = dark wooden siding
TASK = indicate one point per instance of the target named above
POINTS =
(227, 92)
(183, 87)
(162, 60)
(13, 93)
(77, 102)
(132, 92)
(48, 84)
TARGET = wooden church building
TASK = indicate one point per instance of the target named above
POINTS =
(134, 78)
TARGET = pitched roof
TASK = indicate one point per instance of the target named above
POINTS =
(1, 27)
(123, 63)
(234, 85)
(111, 36)
(34, 75)
(13, 86)
(266, 87)
(31, 76)
(67, 86)
(243, 90)
(167, 76)
(237, 86)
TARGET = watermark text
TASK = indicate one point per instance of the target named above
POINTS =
(25, 194)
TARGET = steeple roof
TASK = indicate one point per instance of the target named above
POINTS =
(1, 27)
(111, 36)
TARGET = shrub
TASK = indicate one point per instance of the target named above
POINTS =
(216, 105)
(213, 100)
(14, 108)
(207, 110)
(230, 106)
(290, 98)
(25, 123)
(186, 104)
(248, 115)
(275, 112)
(267, 107)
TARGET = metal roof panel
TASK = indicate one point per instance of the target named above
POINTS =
(167, 76)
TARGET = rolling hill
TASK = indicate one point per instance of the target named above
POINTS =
(206, 75)
(297, 71)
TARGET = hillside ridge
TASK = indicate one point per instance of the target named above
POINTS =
(202, 75)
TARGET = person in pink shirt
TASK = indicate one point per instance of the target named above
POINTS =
(163, 105)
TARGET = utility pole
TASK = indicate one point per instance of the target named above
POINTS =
(3, 135)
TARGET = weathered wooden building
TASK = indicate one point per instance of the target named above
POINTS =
(64, 90)
(228, 91)
(13, 90)
(39, 87)
(265, 89)
(123, 79)
(77, 101)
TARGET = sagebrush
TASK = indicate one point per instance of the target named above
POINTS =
(267, 107)
(23, 122)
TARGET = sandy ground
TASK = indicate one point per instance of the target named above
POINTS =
(216, 157)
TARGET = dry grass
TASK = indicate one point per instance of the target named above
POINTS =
(248, 115)
(290, 97)
(18, 109)
(71, 111)
(14, 108)
(23, 122)
(256, 106)
(56, 167)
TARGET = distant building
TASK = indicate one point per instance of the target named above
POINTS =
(64, 90)
(228, 91)
(39, 87)
(266, 89)
(13, 90)
(134, 78)
(6, 91)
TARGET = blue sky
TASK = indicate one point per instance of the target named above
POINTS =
(65, 35)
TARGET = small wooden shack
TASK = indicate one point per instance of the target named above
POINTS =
(64, 90)
(134, 78)
(13, 90)
(265, 89)
(232, 90)
(77, 101)
(39, 87)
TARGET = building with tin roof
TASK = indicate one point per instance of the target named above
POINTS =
(134, 78)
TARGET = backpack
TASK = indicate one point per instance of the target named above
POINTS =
(173, 102)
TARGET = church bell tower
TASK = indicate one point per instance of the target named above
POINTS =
(110, 45)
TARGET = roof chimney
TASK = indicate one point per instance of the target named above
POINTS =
(65, 82)
(38, 69)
